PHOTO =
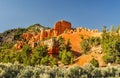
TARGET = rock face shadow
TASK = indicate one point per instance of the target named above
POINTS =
(77, 54)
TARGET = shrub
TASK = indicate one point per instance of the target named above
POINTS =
(96, 73)
(52, 60)
(85, 46)
(94, 41)
(38, 53)
(108, 59)
(94, 62)
(66, 57)
(117, 60)
(26, 51)
(110, 44)
(44, 60)
(88, 69)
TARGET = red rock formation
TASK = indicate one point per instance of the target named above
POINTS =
(61, 26)
(58, 29)
(50, 33)
(27, 36)
(37, 37)
(24, 35)
(52, 46)
(44, 34)
(53, 50)
(19, 45)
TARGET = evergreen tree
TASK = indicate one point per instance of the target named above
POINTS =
(117, 29)
(66, 57)
(111, 46)
(85, 46)
(26, 54)
(94, 62)
(112, 29)
(52, 60)
(104, 29)
(38, 53)
(44, 60)
(67, 46)
(61, 41)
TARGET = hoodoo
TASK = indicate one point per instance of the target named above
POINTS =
(61, 26)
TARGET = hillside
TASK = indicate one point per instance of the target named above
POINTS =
(75, 37)
(12, 35)
(61, 43)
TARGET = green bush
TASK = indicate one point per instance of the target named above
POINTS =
(26, 52)
(85, 46)
(110, 44)
(94, 62)
(38, 53)
(117, 60)
(53, 61)
(63, 45)
(94, 41)
(96, 73)
(44, 60)
(108, 59)
(66, 57)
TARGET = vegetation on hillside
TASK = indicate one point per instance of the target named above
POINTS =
(94, 62)
(65, 54)
(12, 35)
(37, 28)
(111, 46)
(9, 37)
(38, 63)
(88, 43)
(38, 55)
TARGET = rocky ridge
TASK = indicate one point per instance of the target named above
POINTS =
(61, 28)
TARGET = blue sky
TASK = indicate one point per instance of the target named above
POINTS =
(88, 13)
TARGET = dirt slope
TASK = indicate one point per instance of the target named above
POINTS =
(94, 53)
(75, 38)
(75, 44)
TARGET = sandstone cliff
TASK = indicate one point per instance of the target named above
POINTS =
(59, 28)
(34, 38)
